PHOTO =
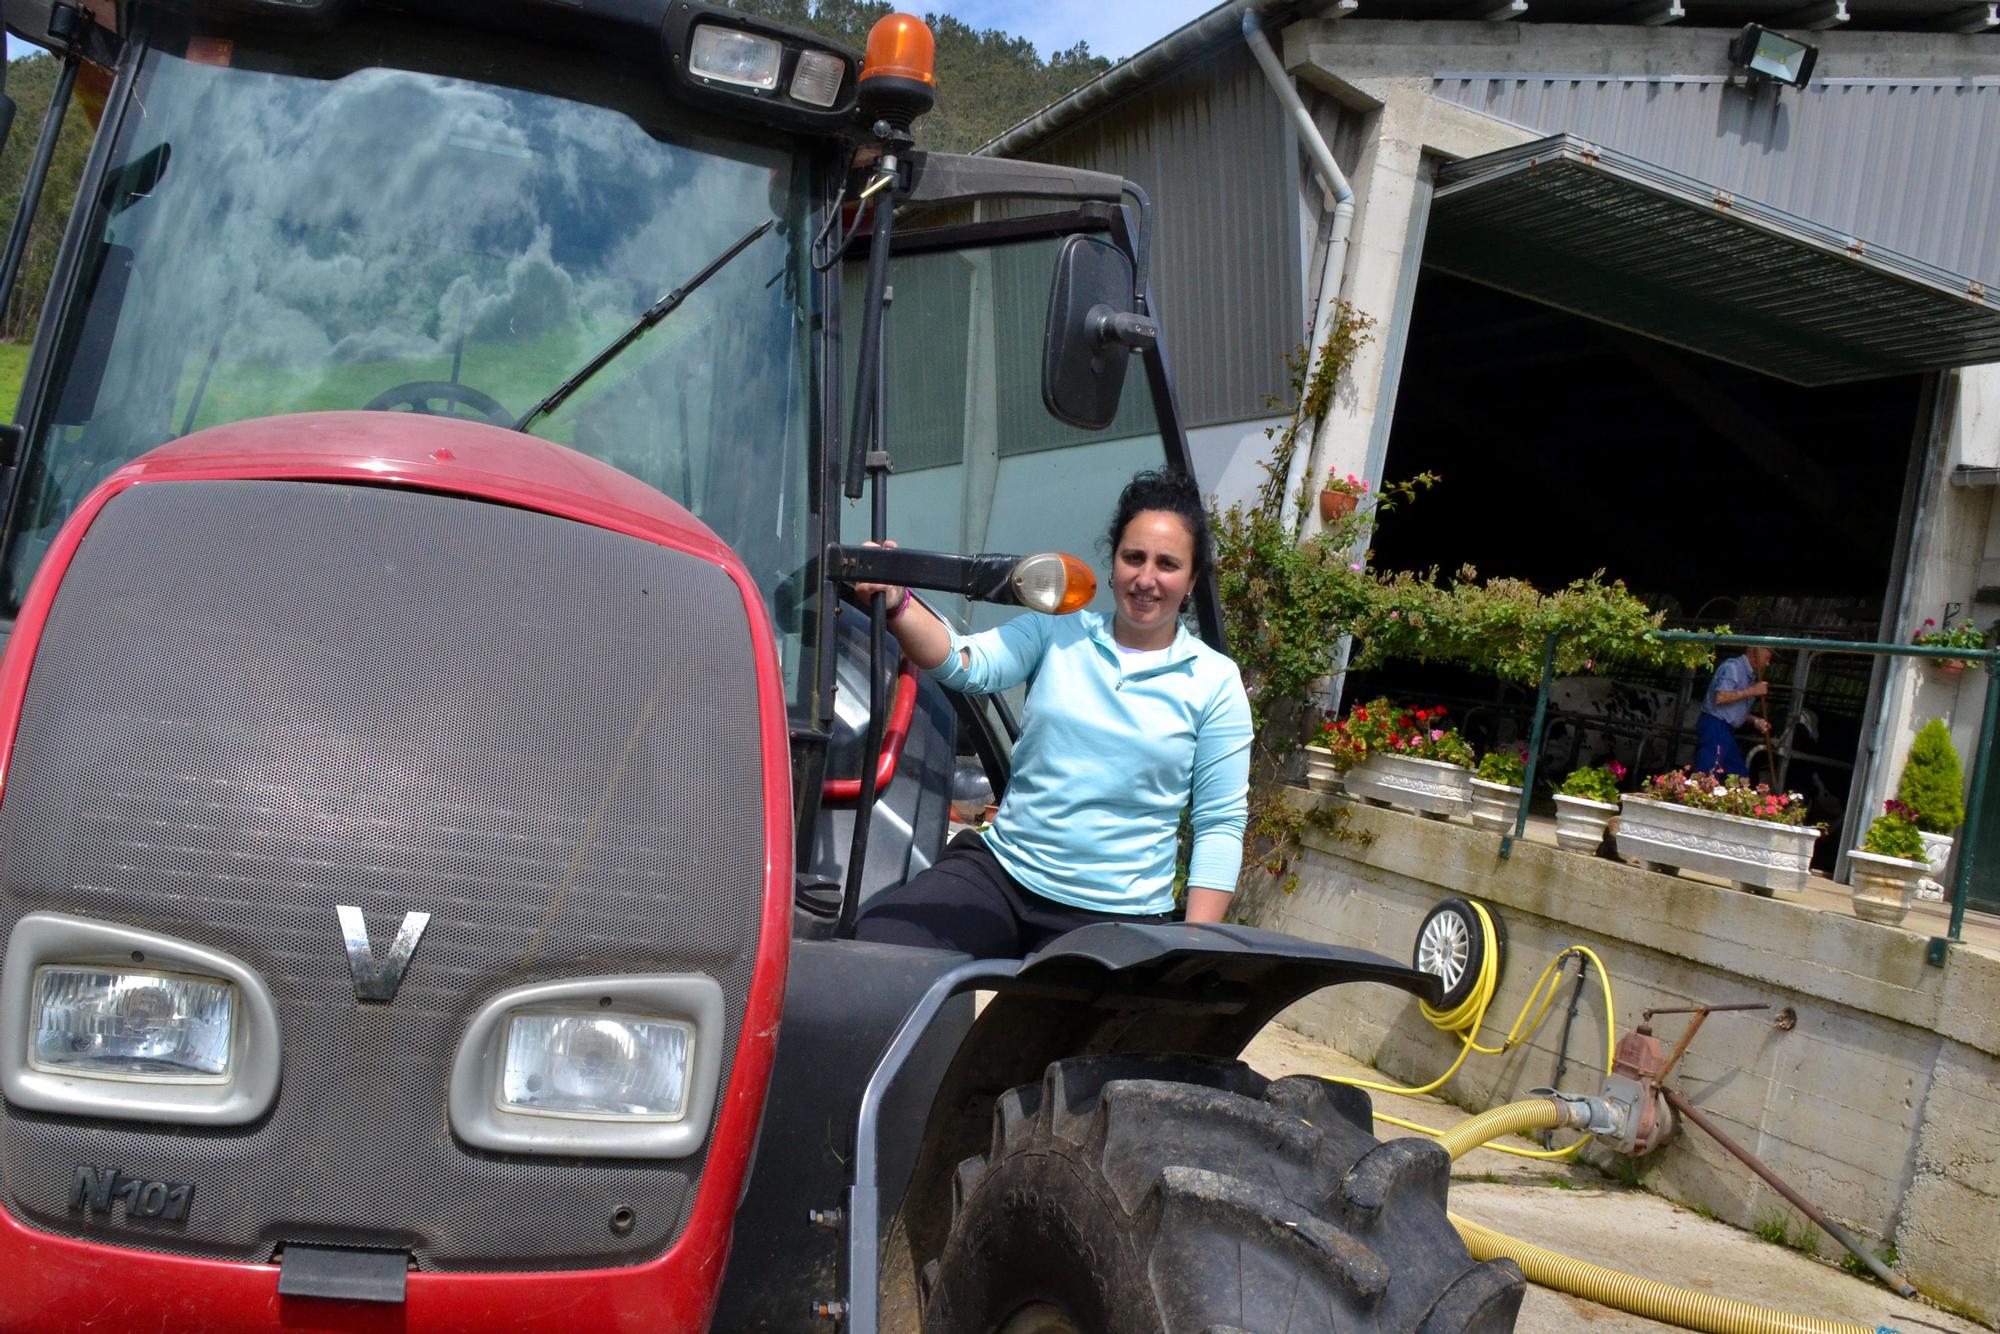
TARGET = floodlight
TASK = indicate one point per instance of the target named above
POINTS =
(1772, 56)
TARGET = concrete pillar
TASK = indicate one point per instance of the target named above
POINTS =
(1955, 545)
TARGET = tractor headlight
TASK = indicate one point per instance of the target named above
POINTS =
(614, 1067)
(99, 1019)
(132, 1024)
(599, 1066)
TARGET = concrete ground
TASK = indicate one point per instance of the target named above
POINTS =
(1578, 1211)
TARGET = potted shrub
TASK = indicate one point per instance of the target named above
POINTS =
(1885, 869)
(1964, 635)
(1340, 494)
(1408, 757)
(1720, 825)
(1585, 803)
(1496, 789)
(1930, 790)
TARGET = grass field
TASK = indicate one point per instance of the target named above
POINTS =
(13, 367)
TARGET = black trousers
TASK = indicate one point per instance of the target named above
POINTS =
(967, 902)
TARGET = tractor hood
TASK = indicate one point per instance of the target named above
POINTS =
(285, 675)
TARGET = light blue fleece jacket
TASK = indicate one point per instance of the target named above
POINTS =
(1108, 757)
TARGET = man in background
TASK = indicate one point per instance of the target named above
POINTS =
(1735, 683)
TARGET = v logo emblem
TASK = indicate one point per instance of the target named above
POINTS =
(377, 979)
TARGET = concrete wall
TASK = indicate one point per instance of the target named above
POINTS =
(1880, 1105)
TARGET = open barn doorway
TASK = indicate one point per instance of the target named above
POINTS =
(1717, 493)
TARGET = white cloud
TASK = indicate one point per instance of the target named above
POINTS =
(1114, 28)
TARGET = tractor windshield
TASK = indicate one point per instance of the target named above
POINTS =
(394, 220)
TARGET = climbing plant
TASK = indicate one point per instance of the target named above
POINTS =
(1289, 598)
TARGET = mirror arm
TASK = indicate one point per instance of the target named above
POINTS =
(1108, 326)
(957, 178)
(985, 578)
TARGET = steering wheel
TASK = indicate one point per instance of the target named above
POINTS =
(421, 395)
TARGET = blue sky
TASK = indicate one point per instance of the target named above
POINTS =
(1114, 28)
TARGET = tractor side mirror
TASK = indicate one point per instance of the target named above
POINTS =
(1091, 330)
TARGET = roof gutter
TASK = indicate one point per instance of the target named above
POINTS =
(1334, 267)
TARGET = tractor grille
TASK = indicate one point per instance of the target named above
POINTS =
(257, 700)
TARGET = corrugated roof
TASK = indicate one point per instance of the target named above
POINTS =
(1908, 164)
(1603, 234)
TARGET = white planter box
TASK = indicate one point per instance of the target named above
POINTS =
(1759, 855)
(1494, 805)
(1937, 853)
(1429, 786)
(1321, 776)
(1580, 823)
(1883, 886)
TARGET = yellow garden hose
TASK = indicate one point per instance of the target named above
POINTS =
(1623, 1292)
(1465, 1019)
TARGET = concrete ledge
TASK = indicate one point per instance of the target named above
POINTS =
(1879, 1104)
(1878, 969)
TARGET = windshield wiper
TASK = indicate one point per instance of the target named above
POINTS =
(658, 311)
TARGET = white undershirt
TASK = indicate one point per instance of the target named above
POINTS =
(1138, 659)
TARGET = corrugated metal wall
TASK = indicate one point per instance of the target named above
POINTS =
(1213, 148)
(1910, 165)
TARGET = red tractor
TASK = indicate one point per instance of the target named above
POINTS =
(441, 774)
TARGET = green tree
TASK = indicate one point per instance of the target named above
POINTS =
(31, 82)
(1932, 781)
(987, 80)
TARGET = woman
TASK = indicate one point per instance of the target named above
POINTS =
(1127, 723)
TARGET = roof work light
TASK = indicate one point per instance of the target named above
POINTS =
(770, 72)
(1772, 56)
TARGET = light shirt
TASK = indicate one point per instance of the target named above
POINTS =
(1734, 674)
(1113, 746)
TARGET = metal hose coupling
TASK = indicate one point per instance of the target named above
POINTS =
(1581, 1111)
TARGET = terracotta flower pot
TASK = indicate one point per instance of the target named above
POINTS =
(1945, 666)
(1335, 505)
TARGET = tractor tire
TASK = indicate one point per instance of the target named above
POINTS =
(1179, 1195)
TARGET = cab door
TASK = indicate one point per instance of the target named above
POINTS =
(980, 465)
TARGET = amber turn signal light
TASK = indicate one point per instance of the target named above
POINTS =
(900, 46)
(1054, 582)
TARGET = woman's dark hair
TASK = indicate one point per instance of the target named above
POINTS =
(1174, 492)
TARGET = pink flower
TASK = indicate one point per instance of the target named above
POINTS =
(1436, 735)
(1354, 565)
(1395, 615)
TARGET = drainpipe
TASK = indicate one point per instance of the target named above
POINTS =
(1335, 267)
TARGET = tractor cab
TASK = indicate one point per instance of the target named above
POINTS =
(334, 207)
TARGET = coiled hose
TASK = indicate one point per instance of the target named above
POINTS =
(1623, 1292)
(1465, 1019)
